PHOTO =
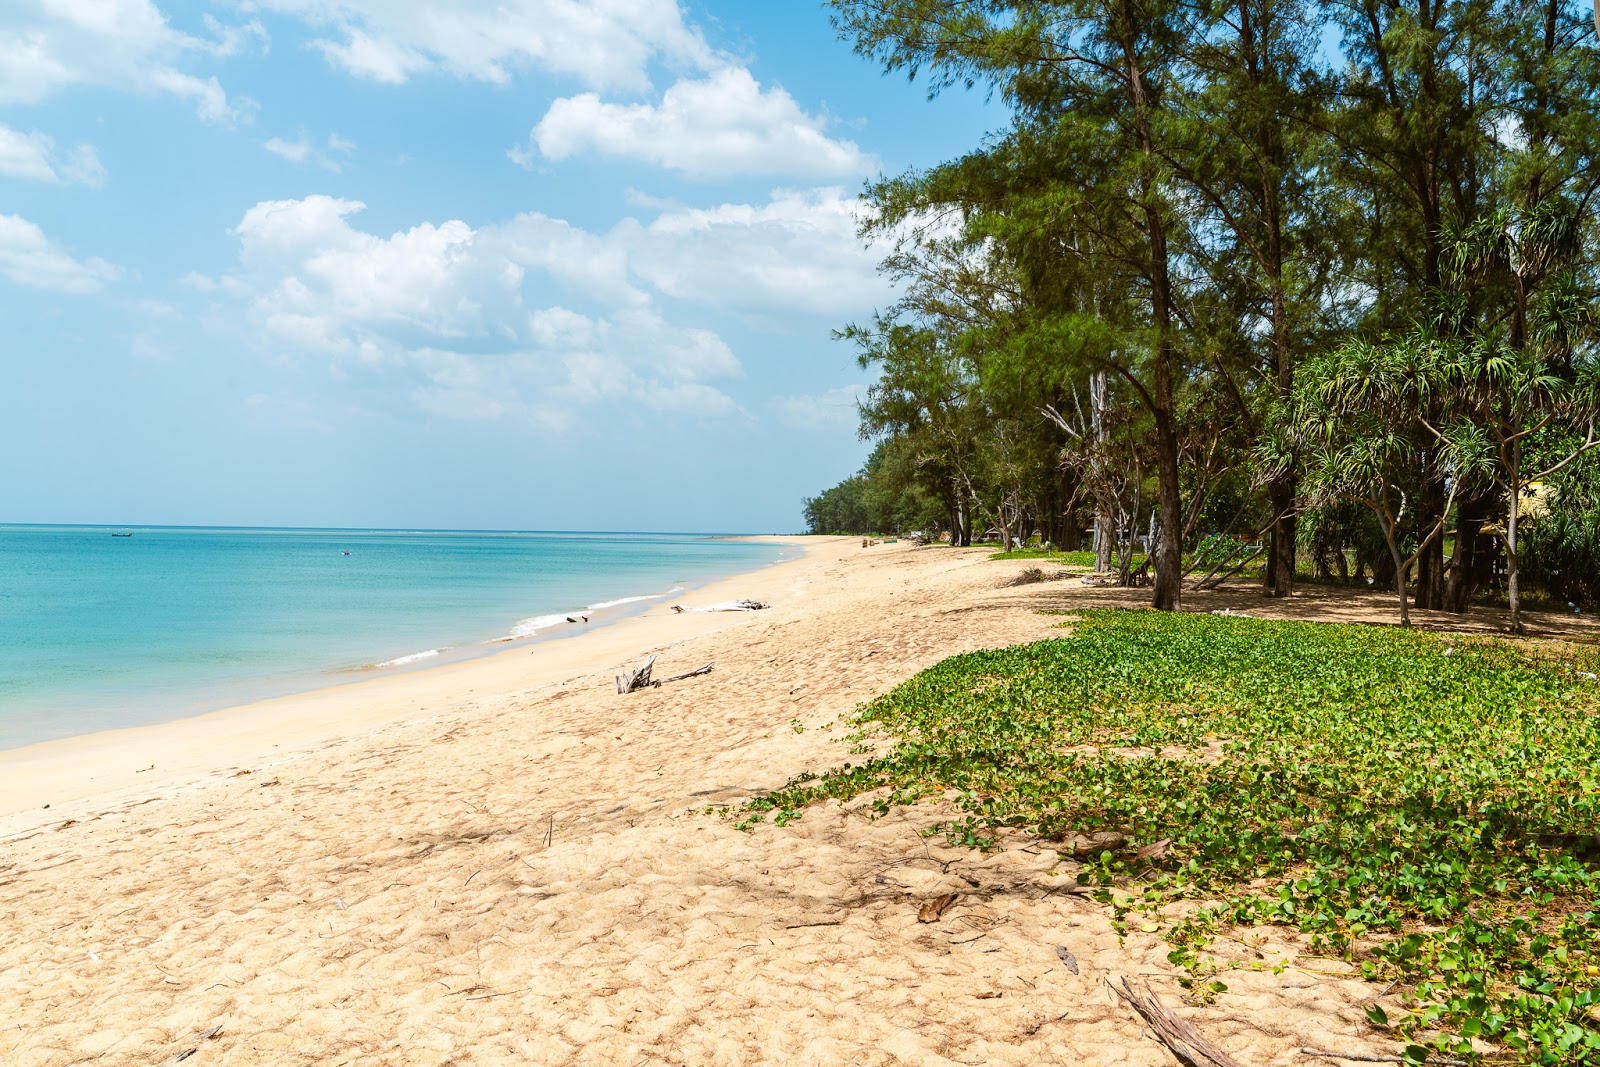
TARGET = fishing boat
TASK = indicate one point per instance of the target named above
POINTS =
(122, 535)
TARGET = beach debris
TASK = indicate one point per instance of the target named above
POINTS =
(1034, 575)
(1156, 850)
(1066, 956)
(1366, 1058)
(933, 909)
(640, 679)
(726, 605)
(1094, 844)
(211, 1034)
(990, 995)
(1180, 1037)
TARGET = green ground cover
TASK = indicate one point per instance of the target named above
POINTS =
(1066, 559)
(1424, 807)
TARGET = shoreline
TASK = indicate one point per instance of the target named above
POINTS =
(506, 862)
(49, 780)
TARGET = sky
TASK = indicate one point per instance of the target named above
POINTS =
(478, 264)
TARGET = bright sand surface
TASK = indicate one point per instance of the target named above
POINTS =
(503, 861)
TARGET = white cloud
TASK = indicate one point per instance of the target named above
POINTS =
(332, 156)
(713, 127)
(797, 253)
(293, 151)
(49, 45)
(28, 257)
(605, 43)
(34, 156)
(835, 408)
(454, 310)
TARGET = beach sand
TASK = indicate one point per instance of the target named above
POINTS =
(503, 861)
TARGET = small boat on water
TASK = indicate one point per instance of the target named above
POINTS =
(122, 535)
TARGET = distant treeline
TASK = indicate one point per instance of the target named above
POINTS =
(1211, 279)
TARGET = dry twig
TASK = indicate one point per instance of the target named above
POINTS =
(1184, 1041)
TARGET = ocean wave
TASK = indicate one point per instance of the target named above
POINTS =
(529, 627)
(403, 660)
(624, 600)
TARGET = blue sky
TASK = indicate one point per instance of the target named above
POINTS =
(525, 264)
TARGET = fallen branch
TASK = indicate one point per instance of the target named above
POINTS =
(1181, 1038)
(1212, 580)
(727, 605)
(1365, 1058)
(697, 672)
(633, 681)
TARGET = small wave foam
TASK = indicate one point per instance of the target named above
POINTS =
(624, 600)
(529, 627)
(403, 660)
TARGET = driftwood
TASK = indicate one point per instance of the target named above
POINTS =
(633, 681)
(727, 605)
(639, 679)
(697, 672)
(1181, 1038)
(1364, 1058)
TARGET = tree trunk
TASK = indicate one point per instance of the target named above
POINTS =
(1465, 571)
(1513, 575)
(1104, 534)
(1400, 568)
(1430, 562)
(1167, 587)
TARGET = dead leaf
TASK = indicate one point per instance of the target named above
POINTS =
(1094, 844)
(1068, 958)
(930, 912)
(987, 996)
(1155, 851)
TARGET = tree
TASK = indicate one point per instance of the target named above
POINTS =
(1353, 417)
(1089, 81)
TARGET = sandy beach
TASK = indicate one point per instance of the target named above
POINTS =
(503, 861)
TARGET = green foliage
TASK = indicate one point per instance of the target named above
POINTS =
(876, 499)
(1426, 808)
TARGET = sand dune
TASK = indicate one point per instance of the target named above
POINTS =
(505, 862)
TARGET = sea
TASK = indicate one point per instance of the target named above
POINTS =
(105, 627)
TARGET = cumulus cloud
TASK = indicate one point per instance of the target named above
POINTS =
(605, 43)
(49, 45)
(455, 308)
(34, 156)
(28, 257)
(797, 253)
(711, 127)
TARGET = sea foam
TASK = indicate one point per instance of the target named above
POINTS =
(401, 661)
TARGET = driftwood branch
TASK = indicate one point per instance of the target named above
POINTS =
(632, 681)
(1211, 581)
(1181, 1038)
(1364, 1058)
(680, 677)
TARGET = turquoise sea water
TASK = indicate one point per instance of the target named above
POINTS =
(98, 631)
